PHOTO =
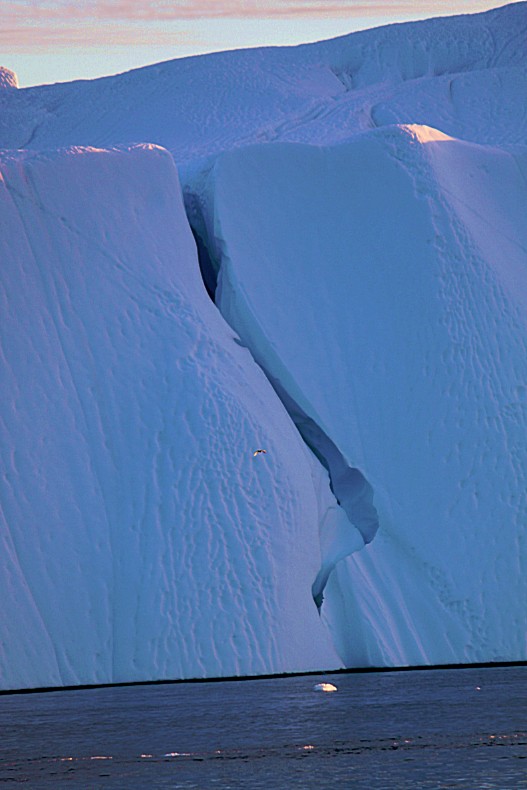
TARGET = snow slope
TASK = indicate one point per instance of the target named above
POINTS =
(466, 75)
(140, 537)
(359, 204)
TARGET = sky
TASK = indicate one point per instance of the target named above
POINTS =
(47, 41)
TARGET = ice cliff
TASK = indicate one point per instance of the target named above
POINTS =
(402, 337)
(359, 211)
(141, 536)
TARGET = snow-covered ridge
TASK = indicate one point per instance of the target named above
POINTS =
(446, 73)
(359, 207)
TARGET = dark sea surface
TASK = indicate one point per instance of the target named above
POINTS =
(452, 728)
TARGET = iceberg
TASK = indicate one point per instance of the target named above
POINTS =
(264, 360)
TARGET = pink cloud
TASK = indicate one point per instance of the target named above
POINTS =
(132, 10)
(31, 25)
(30, 39)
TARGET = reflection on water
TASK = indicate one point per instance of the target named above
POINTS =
(422, 729)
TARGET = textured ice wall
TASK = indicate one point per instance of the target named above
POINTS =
(466, 76)
(382, 285)
(140, 536)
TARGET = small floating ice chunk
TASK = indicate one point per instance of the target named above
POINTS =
(324, 687)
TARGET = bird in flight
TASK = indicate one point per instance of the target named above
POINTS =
(257, 452)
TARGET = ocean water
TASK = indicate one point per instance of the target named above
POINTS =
(455, 728)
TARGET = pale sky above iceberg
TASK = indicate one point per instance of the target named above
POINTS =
(61, 40)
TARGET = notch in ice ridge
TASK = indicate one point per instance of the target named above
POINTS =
(351, 489)
(200, 224)
(354, 495)
(208, 272)
(353, 492)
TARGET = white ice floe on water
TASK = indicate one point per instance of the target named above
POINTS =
(327, 467)
(326, 687)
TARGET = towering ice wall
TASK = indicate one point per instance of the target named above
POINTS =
(141, 538)
(398, 262)
(359, 210)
